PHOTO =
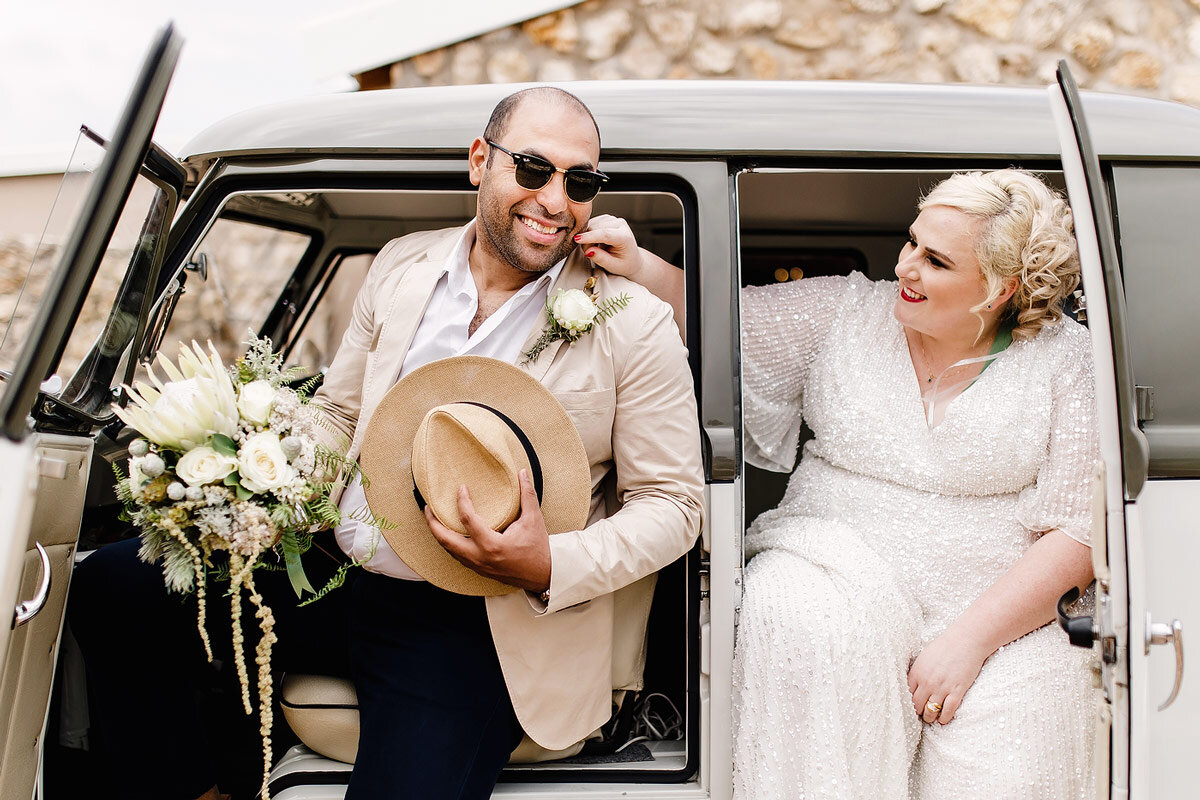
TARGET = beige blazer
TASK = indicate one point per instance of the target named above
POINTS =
(627, 387)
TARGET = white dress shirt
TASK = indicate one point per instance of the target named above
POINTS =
(442, 333)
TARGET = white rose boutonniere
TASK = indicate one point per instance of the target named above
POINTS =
(255, 400)
(202, 465)
(573, 313)
(573, 309)
(262, 464)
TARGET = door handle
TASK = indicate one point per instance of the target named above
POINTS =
(1161, 633)
(1081, 631)
(29, 609)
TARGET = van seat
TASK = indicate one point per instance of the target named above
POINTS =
(323, 712)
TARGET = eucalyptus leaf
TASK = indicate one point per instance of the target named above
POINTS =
(224, 445)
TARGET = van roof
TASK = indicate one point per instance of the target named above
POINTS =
(700, 117)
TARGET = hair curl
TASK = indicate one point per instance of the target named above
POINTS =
(1028, 235)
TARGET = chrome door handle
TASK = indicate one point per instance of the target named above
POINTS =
(29, 609)
(1161, 633)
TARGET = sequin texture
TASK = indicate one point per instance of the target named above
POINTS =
(888, 530)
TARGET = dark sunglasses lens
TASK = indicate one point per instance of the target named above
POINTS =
(532, 174)
(581, 186)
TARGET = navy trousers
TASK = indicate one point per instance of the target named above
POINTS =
(436, 719)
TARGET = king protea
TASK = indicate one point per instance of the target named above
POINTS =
(196, 402)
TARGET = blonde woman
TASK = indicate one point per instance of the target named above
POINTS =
(893, 640)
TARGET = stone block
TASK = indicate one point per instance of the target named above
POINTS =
(1185, 85)
(509, 65)
(396, 75)
(927, 6)
(1090, 42)
(755, 15)
(711, 56)
(429, 64)
(467, 65)
(643, 58)
(939, 39)
(557, 70)
(604, 33)
(1129, 16)
(672, 28)
(814, 33)
(763, 61)
(1137, 69)
(1193, 37)
(558, 31)
(1042, 22)
(875, 6)
(976, 63)
(879, 38)
(992, 17)
(838, 65)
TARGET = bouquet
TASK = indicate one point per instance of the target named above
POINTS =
(230, 463)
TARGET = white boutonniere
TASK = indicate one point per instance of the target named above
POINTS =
(573, 313)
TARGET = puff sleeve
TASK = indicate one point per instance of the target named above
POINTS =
(783, 328)
(1061, 497)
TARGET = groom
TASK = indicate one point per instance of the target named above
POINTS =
(447, 683)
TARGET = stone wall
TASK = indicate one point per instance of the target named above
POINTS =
(1149, 47)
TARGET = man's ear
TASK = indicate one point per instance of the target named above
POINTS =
(477, 160)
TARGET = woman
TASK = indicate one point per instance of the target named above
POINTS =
(893, 638)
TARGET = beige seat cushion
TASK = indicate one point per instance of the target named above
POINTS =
(323, 712)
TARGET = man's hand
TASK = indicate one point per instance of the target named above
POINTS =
(518, 556)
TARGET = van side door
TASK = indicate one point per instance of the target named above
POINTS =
(1150, 500)
(76, 348)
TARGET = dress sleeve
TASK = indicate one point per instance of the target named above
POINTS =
(783, 328)
(1061, 498)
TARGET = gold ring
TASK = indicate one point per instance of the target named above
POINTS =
(936, 708)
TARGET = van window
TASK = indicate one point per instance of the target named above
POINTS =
(1159, 239)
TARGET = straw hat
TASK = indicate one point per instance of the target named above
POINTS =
(475, 421)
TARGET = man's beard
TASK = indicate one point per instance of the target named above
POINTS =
(498, 227)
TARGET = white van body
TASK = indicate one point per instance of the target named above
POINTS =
(734, 182)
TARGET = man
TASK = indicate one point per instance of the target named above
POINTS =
(447, 683)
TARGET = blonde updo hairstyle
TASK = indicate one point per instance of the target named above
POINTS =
(1028, 234)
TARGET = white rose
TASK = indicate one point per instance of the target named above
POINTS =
(262, 464)
(202, 465)
(255, 400)
(573, 309)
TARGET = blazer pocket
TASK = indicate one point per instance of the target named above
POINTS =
(589, 399)
(592, 412)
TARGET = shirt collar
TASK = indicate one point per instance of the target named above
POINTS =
(458, 269)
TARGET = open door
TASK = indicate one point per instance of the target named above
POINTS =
(1147, 756)
(57, 394)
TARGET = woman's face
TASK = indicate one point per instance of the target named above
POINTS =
(940, 279)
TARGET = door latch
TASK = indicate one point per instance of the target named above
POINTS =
(1161, 633)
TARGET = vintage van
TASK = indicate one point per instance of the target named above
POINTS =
(270, 218)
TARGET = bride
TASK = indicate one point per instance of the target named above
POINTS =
(893, 639)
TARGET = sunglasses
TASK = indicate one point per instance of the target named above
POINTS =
(534, 172)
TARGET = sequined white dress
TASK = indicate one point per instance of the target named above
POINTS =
(888, 530)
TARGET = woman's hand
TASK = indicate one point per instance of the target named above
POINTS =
(942, 674)
(610, 244)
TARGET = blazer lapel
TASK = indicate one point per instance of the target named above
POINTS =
(573, 276)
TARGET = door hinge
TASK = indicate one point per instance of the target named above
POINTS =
(1145, 403)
